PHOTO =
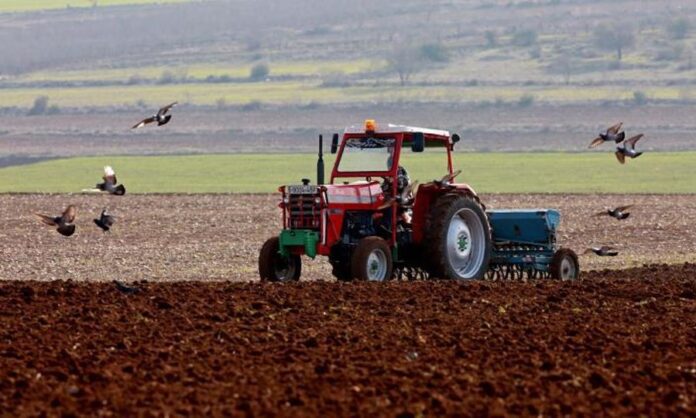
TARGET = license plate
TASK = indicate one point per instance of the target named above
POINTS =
(302, 189)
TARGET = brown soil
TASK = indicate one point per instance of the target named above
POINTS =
(218, 237)
(616, 343)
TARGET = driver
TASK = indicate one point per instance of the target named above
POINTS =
(402, 181)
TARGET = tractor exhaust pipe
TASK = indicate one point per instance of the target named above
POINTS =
(320, 162)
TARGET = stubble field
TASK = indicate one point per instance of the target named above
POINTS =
(217, 237)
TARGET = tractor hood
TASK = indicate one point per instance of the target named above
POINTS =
(358, 193)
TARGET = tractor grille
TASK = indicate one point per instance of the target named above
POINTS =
(304, 212)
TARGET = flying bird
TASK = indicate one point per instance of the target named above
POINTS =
(613, 133)
(628, 149)
(162, 118)
(618, 213)
(64, 222)
(105, 220)
(603, 251)
(110, 183)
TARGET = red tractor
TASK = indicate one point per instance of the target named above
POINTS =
(373, 223)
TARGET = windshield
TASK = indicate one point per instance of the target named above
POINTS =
(367, 154)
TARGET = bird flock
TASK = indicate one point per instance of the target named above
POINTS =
(65, 222)
(624, 148)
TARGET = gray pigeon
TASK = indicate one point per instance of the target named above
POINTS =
(613, 133)
(110, 183)
(162, 118)
(603, 251)
(618, 213)
(124, 288)
(64, 222)
(628, 149)
(105, 221)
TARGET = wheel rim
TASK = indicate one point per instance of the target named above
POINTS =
(284, 268)
(568, 269)
(376, 266)
(466, 240)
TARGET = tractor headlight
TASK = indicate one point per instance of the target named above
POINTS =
(286, 200)
(317, 200)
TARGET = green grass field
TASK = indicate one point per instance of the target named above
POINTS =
(34, 5)
(486, 172)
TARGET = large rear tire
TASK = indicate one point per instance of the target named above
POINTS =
(564, 265)
(273, 267)
(458, 240)
(372, 260)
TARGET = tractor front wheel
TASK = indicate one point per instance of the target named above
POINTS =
(372, 260)
(564, 265)
(273, 267)
(458, 238)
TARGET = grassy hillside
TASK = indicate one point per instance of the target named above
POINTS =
(486, 172)
(479, 51)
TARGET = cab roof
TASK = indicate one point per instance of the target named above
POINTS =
(397, 129)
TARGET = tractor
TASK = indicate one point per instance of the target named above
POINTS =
(374, 224)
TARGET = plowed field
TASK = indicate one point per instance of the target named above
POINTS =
(196, 338)
(616, 343)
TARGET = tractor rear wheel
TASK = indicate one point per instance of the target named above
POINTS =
(564, 265)
(458, 238)
(372, 260)
(273, 267)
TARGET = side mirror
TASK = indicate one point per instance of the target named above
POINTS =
(455, 139)
(418, 144)
(334, 144)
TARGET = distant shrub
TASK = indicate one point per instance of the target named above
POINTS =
(134, 80)
(313, 105)
(40, 106)
(526, 100)
(535, 53)
(167, 77)
(434, 52)
(491, 39)
(526, 37)
(670, 53)
(225, 78)
(335, 80)
(253, 44)
(221, 103)
(640, 98)
(259, 72)
(252, 106)
(679, 28)
(318, 31)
